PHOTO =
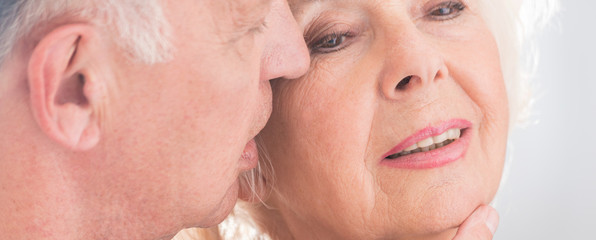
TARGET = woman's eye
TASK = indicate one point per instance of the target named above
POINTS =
(447, 10)
(330, 43)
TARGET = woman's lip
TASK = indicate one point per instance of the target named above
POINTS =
(434, 158)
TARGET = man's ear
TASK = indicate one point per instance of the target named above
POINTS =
(66, 85)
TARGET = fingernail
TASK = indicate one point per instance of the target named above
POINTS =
(492, 220)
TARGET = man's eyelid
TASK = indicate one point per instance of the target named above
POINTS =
(249, 21)
(247, 30)
(259, 27)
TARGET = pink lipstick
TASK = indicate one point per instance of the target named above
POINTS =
(431, 147)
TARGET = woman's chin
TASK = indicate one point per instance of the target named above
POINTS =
(439, 215)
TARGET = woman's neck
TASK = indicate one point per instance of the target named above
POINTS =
(279, 226)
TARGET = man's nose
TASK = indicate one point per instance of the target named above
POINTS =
(286, 54)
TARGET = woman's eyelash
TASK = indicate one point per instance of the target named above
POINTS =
(447, 10)
(330, 43)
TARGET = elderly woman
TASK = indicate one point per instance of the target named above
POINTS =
(399, 129)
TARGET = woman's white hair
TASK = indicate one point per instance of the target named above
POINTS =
(140, 25)
(514, 24)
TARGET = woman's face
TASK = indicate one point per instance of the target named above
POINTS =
(385, 76)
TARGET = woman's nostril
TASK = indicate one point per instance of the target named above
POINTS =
(403, 83)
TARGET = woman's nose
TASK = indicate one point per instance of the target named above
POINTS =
(286, 54)
(412, 63)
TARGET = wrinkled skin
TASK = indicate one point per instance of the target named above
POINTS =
(96, 146)
(330, 129)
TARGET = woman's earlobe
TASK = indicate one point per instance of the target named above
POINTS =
(254, 186)
(60, 80)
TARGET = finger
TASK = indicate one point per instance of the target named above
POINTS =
(481, 225)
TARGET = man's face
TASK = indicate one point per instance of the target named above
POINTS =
(175, 132)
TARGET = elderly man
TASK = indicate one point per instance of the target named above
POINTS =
(132, 119)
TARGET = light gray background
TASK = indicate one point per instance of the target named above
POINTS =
(551, 189)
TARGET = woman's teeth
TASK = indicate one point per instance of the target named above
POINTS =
(430, 143)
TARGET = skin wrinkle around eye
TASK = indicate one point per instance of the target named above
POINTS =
(304, 89)
(339, 100)
(324, 66)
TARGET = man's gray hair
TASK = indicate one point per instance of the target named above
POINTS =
(139, 25)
